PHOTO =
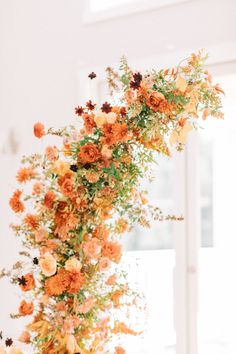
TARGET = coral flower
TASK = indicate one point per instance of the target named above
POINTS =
(31, 221)
(76, 281)
(39, 130)
(29, 282)
(89, 123)
(24, 337)
(48, 265)
(86, 306)
(49, 199)
(111, 280)
(119, 350)
(25, 174)
(51, 153)
(106, 152)
(26, 308)
(89, 153)
(112, 250)
(37, 188)
(101, 232)
(15, 202)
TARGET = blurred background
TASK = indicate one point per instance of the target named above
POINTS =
(186, 269)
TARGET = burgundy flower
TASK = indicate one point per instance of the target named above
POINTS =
(106, 107)
(8, 342)
(92, 75)
(79, 110)
(135, 83)
(90, 105)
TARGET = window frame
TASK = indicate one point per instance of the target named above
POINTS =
(125, 9)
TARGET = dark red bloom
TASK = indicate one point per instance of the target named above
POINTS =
(21, 281)
(79, 110)
(106, 107)
(92, 75)
(8, 342)
(135, 83)
(123, 111)
(90, 105)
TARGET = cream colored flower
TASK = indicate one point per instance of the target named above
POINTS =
(71, 344)
(111, 117)
(181, 84)
(106, 152)
(48, 265)
(16, 350)
(100, 118)
(73, 264)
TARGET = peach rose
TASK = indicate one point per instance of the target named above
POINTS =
(103, 264)
(106, 152)
(92, 248)
(130, 96)
(100, 119)
(71, 344)
(26, 308)
(48, 265)
(24, 337)
(51, 153)
(89, 153)
(154, 99)
(111, 117)
(73, 265)
(86, 306)
(16, 350)
(61, 167)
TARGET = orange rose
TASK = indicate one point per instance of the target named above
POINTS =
(106, 152)
(89, 153)
(49, 199)
(26, 308)
(48, 265)
(39, 130)
(154, 99)
(29, 282)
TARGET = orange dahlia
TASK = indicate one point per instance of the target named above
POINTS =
(15, 202)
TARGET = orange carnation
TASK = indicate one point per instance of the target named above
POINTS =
(31, 221)
(39, 130)
(89, 153)
(76, 281)
(112, 250)
(15, 202)
(26, 308)
(49, 199)
(57, 284)
(25, 174)
(29, 282)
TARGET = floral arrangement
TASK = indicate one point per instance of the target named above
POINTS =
(84, 194)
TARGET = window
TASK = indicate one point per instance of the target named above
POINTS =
(99, 10)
